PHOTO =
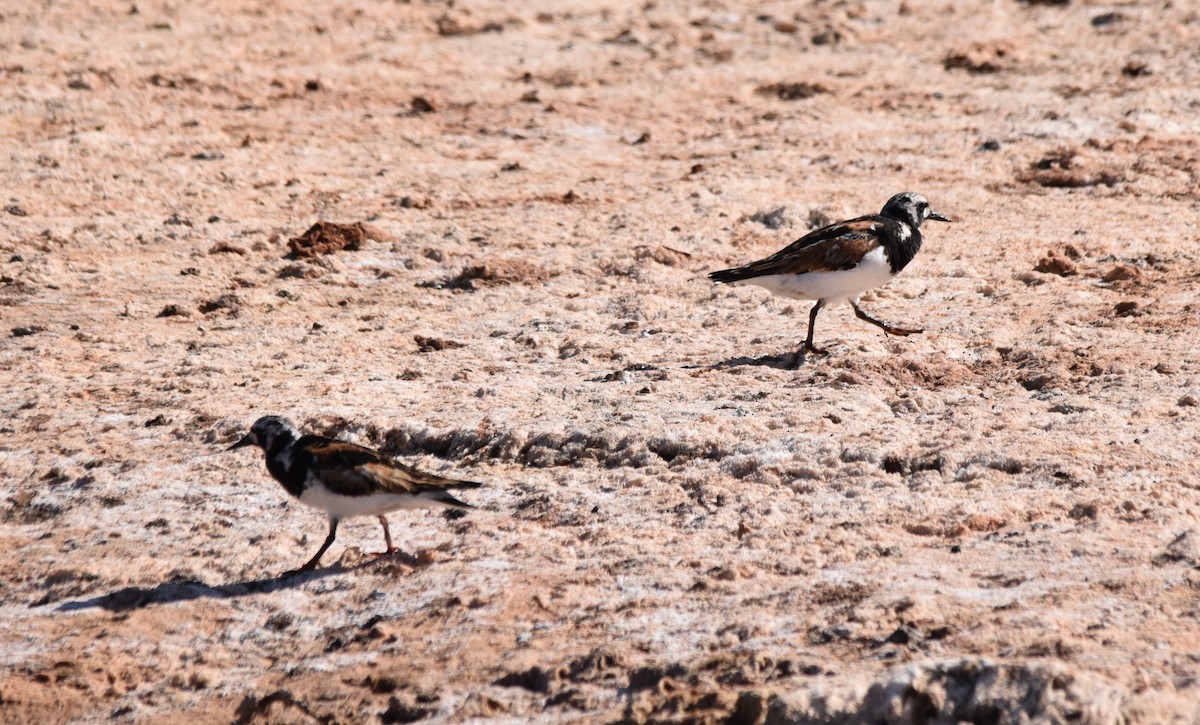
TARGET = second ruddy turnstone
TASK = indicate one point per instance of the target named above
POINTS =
(344, 479)
(839, 262)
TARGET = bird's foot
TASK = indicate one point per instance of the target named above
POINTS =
(798, 357)
(901, 331)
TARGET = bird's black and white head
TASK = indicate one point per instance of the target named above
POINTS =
(269, 432)
(911, 208)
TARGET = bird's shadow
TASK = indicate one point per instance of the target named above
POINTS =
(786, 361)
(130, 598)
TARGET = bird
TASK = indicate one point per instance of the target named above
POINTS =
(839, 262)
(344, 479)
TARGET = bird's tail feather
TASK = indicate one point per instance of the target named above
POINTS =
(730, 275)
(445, 499)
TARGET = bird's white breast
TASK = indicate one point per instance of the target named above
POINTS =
(873, 270)
(375, 504)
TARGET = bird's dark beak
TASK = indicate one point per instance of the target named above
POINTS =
(938, 217)
(247, 440)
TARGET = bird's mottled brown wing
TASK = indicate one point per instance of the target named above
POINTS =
(354, 470)
(396, 477)
(835, 247)
(340, 465)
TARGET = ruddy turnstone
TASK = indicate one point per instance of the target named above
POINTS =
(839, 262)
(344, 479)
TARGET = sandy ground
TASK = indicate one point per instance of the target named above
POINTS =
(995, 521)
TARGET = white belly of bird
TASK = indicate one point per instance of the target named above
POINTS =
(872, 271)
(374, 504)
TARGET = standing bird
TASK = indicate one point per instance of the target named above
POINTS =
(839, 262)
(344, 479)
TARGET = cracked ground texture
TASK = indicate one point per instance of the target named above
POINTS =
(994, 521)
